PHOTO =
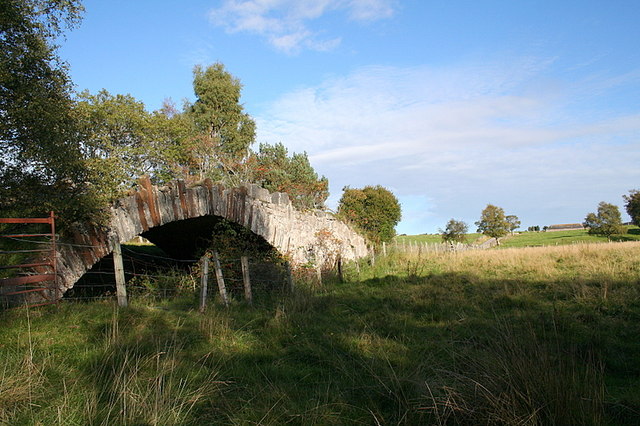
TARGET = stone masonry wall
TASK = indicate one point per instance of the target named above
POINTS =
(312, 237)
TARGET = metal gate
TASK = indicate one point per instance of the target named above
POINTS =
(35, 283)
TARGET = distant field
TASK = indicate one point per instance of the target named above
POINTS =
(535, 239)
(531, 239)
(432, 238)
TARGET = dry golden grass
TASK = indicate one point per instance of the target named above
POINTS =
(580, 261)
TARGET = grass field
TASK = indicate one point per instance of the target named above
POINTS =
(531, 239)
(433, 238)
(514, 336)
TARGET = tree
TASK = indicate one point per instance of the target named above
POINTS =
(275, 170)
(121, 141)
(41, 164)
(606, 222)
(513, 221)
(493, 222)
(633, 205)
(374, 210)
(114, 130)
(224, 131)
(455, 231)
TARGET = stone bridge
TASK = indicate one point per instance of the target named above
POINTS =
(177, 218)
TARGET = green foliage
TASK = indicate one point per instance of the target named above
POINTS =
(75, 156)
(606, 222)
(493, 222)
(232, 240)
(513, 221)
(633, 206)
(41, 164)
(275, 170)
(456, 231)
(374, 210)
(224, 131)
(121, 141)
(115, 139)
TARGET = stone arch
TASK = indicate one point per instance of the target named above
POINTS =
(312, 236)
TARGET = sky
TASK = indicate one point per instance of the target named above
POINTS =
(530, 105)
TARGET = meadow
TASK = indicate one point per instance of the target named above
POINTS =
(530, 239)
(543, 335)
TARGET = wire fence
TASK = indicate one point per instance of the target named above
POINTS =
(444, 247)
(148, 272)
(160, 276)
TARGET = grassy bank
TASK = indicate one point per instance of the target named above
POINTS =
(527, 336)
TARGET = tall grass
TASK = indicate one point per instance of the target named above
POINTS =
(513, 336)
(117, 378)
(519, 378)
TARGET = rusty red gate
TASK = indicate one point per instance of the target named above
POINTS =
(39, 276)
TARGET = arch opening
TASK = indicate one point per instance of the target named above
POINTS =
(191, 238)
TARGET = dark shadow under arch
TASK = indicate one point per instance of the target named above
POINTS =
(190, 238)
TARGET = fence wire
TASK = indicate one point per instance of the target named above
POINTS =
(159, 276)
(147, 274)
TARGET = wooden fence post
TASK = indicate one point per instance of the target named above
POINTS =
(220, 279)
(290, 283)
(121, 289)
(204, 283)
(246, 279)
(384, 249)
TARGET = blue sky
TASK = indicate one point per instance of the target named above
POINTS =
(529, 105)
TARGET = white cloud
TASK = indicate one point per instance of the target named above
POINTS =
(461, 137)
(285, 24)
(370, 10)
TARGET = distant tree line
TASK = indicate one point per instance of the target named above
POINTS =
(493, 223)
(606, 221)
